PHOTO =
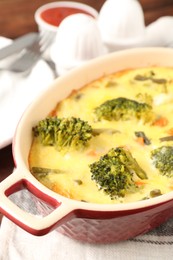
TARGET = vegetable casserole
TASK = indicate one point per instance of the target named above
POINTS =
(111, 141)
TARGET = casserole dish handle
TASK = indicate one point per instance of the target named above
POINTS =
(34, 224)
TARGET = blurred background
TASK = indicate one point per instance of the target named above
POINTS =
(17, 16)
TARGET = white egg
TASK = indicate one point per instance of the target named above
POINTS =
(78, 40)
(160, 32)
(121, 21)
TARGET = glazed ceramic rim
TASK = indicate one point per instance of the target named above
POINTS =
(44, 25)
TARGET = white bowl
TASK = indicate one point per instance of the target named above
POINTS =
(44, 26)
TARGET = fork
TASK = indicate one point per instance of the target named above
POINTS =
(30, 55)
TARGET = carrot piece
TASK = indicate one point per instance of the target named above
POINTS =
(140, 140)
(139, 183)
(92, 153)
(161, 121)
(170, 131)
(53, 113)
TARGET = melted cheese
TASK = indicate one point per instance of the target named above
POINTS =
(74, 178)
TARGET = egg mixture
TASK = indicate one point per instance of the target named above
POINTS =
(69, 174)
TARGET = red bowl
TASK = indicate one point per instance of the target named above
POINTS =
(79, 220)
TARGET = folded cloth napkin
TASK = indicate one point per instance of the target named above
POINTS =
(17, 244)
(17, 91)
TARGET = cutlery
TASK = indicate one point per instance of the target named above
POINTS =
(17, 45)
(31, 54)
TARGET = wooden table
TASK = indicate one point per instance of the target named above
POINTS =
(17, 18)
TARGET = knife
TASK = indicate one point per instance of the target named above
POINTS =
(18, 44)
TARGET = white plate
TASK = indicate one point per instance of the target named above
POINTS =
(17, 92)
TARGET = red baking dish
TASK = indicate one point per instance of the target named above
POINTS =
(80, 220)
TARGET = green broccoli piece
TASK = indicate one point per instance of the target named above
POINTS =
(114, 172)
(124, 109)
(162, 158)
(63, 132)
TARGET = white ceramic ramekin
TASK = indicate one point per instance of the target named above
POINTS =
(49, 31)
(44, 26)
(79, 220)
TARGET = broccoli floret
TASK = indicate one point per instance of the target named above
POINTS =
(114, 172)
(63, 132)
(162, 158)
(124, 109)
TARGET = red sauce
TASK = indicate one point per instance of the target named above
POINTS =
(55, 15)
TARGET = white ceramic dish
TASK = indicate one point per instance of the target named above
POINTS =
(84, 221)
(45, 27)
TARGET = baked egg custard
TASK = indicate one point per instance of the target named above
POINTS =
(111, 141)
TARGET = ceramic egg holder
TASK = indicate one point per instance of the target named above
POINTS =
(120, 25)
